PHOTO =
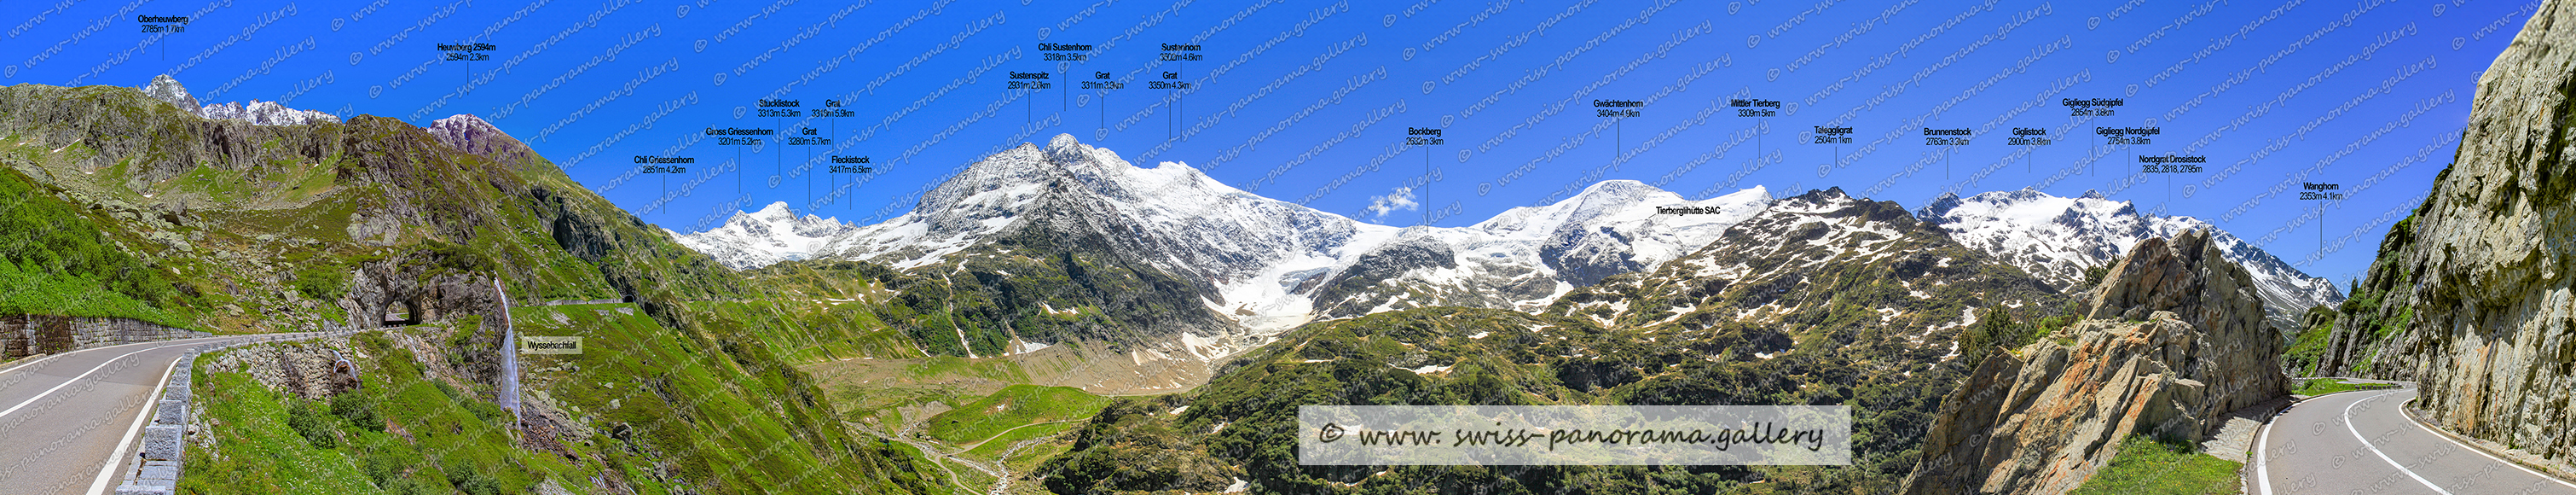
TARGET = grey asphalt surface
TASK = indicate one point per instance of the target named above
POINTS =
(63, 417)
(2361, 442)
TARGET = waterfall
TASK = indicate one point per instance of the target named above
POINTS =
(509, 396)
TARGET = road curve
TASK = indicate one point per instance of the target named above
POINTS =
(2361, 442)
(64, 417)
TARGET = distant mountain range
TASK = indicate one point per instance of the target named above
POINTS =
(771, 235)
(167, 89)
(1269, 265)
(2057, 239)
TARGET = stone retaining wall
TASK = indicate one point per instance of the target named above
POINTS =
(28, 335)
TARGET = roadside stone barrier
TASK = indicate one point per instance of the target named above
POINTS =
(165, 439)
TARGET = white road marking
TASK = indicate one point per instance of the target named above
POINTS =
(2374, 449)
(85, 374)
(48, 357)
(151, 403)
(2492, 457)
(2262, 468)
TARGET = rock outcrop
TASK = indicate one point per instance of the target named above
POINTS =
(167, 89)
(428, 286)
(2174, 339)
(472, 134)
(2471, 297)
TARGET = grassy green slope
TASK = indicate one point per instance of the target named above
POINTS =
(55, 259)
(641, 409)
(2145, 466)
(1033, 286)
(1869, 320)
(1240, 425)
(1013, 407)
(687, 390)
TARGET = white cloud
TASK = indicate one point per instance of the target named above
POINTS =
(1400, 199)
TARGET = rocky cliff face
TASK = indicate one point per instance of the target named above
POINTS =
(2231, 350)
(2174, 339)
(2471, 296)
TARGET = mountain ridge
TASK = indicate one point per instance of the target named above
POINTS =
(373, 222)
(1270, 265)
(2059, 239)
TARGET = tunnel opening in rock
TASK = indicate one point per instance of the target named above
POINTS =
(402, 313)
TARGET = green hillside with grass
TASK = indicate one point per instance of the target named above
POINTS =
(121, 205)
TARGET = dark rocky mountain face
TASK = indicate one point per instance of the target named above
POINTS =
(1349, 291)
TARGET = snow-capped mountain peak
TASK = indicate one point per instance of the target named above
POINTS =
(2058, 238)
(166, 88)
(773, 234)
(264, 113)
(1525, 257)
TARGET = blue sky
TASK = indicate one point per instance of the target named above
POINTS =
(1311, 101)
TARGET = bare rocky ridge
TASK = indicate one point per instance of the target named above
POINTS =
(472, 134)
(166, 88)
(2472, 295)
(2174, 339)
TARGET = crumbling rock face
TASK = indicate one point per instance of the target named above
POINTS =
(2175, 340)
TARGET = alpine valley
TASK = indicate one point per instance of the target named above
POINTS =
(1051, 319)
(1244, 268)
(1067, 266)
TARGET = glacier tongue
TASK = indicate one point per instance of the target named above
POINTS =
(2057, 239)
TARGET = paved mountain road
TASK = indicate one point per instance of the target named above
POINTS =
(64, 417)
(2361, 442)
